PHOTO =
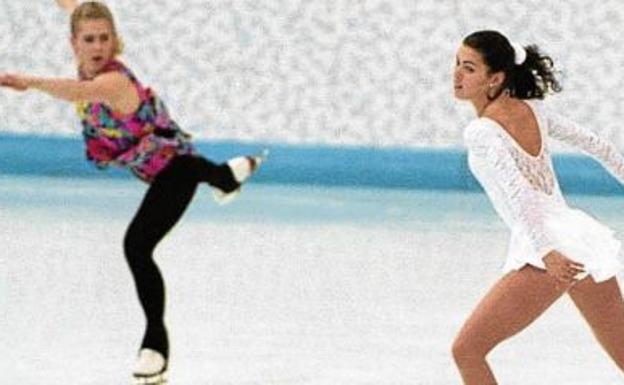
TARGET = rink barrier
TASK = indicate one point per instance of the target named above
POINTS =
(406, 168)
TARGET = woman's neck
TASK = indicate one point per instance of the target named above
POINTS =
(486, 105)
(90, 74)
(481, 105)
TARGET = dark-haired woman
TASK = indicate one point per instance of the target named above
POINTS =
(554, 249)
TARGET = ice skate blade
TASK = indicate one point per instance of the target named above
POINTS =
(223, 198)
(157, 379)
(264, 154)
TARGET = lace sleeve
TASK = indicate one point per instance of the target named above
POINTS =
(492, 162)
(566, 130)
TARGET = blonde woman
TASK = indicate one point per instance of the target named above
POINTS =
(554, 249)
(126, 124)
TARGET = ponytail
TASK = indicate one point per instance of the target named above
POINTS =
(534, 78)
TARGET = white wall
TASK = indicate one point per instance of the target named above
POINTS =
(319, 71)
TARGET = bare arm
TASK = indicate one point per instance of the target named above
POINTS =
(112, 88)
(67, 5)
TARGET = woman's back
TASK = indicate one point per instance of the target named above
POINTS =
(520, 122)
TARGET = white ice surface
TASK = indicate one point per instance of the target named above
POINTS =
(286, 286)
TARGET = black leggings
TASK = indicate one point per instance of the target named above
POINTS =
(163, 205)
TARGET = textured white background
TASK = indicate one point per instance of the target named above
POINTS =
(366, 72)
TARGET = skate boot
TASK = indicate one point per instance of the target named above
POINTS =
(150, 368)
(242, 168)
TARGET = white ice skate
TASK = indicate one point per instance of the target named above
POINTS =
(150, 368)
(242, 167)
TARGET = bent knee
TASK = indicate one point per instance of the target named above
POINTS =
(468, 349)
(130, 242)
(135, 247)
(461, 348)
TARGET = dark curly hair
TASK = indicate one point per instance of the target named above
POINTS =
(533, 79)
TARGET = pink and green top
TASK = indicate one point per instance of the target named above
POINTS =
(144, 141)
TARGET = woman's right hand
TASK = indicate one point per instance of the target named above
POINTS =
(561, 267)
(14, 81)
(67, 5)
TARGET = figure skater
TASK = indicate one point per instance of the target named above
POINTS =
(554, 249)
(126, 124)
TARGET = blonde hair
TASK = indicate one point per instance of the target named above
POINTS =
(90, 10)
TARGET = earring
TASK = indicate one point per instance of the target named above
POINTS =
(488, 93)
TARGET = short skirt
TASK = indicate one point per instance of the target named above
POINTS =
(576, 235)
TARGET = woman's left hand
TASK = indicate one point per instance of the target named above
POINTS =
(561, 267)
(16, 82)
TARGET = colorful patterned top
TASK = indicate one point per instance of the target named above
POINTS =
(144, 141)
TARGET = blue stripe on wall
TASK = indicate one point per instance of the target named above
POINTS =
(313, 165)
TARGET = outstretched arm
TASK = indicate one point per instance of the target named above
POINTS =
(67, 5)
(108, 88)
(568, 131)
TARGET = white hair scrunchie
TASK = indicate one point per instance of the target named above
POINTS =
(520, 53)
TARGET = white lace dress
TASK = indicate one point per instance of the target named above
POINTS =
(525, 193)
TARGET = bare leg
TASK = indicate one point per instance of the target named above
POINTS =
(603, 308)
(514, 302)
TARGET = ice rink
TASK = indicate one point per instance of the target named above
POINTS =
(289, 285)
